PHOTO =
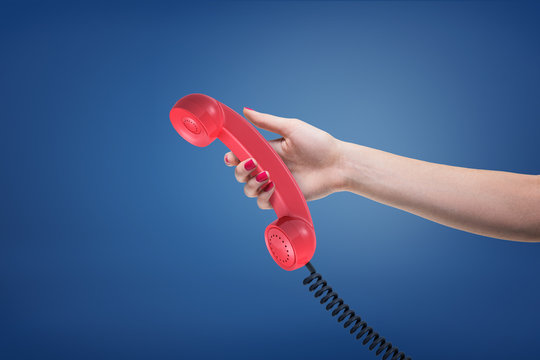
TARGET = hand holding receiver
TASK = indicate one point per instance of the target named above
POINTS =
(200, 119)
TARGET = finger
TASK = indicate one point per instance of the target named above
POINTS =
(244, 169)
(279, 125)
(231, 159)
(263, 200)
(277, 145)
(254, 185)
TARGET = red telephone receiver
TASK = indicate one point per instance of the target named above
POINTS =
(200, 119)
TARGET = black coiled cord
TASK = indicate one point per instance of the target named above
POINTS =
(353, 319)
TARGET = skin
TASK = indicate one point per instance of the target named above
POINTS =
(497, 204)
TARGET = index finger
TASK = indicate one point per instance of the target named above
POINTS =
(231, 159)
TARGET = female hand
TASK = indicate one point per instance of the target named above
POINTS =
(313, 156)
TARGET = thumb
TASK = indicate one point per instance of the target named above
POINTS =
(276, 124)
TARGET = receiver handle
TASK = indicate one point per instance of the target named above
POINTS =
(245, 142)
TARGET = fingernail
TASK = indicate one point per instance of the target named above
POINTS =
(268, 186)
(250, 165)
(226, 159)
(262, 176)
(245, 107)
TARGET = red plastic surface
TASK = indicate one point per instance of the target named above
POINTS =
(200, 119)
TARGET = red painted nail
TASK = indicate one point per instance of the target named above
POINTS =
(226, 159)
(245, 107)
(262, 176)
(268, 186)
(250, 165)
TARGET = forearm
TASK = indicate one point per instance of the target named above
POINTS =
(491, 203)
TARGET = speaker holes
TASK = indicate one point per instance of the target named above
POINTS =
(279, 247)
(192, 125)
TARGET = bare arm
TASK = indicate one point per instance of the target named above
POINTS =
(491, 203)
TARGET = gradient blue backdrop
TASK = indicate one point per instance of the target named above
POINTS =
(121, 240)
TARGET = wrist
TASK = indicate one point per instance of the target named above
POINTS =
(342, 168)
(352, 166)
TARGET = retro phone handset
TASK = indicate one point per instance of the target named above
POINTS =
(290, 239)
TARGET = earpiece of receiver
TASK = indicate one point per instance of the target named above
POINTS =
(197, 118)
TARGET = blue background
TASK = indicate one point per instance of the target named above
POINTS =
(121, 240)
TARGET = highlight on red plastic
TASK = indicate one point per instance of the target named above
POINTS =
(200, 119)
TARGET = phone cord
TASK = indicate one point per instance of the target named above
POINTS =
(349, 314)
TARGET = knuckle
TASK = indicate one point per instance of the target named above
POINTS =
(249, 191)
(262, 203)
(233, 159)
(239, 174)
